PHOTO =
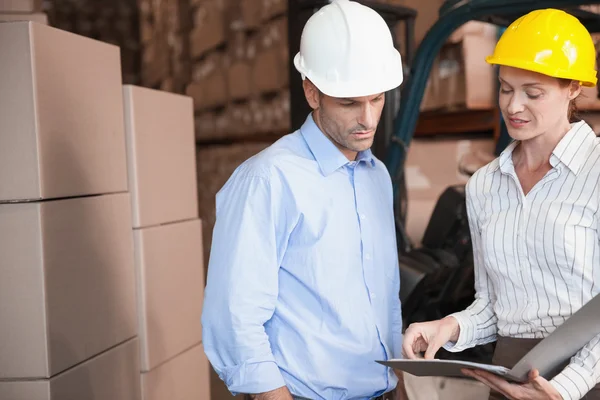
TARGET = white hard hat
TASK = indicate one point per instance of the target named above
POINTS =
(346, 50)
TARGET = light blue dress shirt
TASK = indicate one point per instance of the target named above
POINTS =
(303, 280)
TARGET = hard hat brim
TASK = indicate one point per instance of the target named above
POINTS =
(590, 80)
(379, 84)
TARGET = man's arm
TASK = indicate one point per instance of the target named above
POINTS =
(242, 285)
(278, 394)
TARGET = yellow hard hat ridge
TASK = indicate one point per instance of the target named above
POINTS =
(550, 42)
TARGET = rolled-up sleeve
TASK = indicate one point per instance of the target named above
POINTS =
(478, 323)
(242, 285)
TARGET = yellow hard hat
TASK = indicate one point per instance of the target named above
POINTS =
(550, 42)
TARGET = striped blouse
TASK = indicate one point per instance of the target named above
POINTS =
(537, 256)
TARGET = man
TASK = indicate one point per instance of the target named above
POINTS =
(303, 282)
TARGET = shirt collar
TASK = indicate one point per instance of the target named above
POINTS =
(327, 155)
(571, 150)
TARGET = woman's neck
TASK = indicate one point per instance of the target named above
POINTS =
(534, 154)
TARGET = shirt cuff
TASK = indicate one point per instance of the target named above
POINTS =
(251, 378)
(573, 382)
(465, 335)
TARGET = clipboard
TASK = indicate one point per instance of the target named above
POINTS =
(549, 356)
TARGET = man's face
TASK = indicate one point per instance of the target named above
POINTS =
(350, 123)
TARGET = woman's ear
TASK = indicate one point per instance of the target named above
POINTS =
(574, 89)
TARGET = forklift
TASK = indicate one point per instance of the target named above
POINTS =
(437, 277)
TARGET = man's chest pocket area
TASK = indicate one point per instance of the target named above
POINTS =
(327, 222)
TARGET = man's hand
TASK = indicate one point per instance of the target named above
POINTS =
(278, 394)
(537, 388)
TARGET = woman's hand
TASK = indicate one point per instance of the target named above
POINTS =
(429, 337)
(537, 388)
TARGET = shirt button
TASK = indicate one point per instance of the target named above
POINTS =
(367, 256)
(363, 216)
(373, 295)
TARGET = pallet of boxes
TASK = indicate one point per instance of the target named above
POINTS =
(240, 86)
(68, 325)
(90, 309)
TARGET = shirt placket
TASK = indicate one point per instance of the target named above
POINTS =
(366, 248)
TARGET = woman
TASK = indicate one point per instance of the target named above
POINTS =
(534, 214)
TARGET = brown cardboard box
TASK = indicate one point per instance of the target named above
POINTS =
(155, 60)
(161, 157)
(244, 15)
(68, 286)
(181, 378)
(205, 125)
(113, 375)
(273, 8)
(270, 69)
(170, 283)
(267, 72)
(209, 87)
(239, 78)
(460, 77)
(427, 15)
(61, 114)
(239, 74)
(40, 18)
(20, 6)
(209, 28)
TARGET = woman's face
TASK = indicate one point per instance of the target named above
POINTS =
(533, 104)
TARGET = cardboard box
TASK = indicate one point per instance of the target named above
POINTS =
(184, 377)
(20, 6)
(155, 60)
(161, 157)
(270, 69)
(40, 18)
(243, 15)
(113, 375)
(273, 8)
(67, 291)
(209, 28)
(204, 125)
(460, 77)
(61, 114)
(170, 282)
(239, 74)
(209, 87)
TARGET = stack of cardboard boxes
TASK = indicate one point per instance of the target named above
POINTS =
(22, 10)
(239, 78)
(164, 39)
(67, 293)
(167, 243)
(90, 308)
